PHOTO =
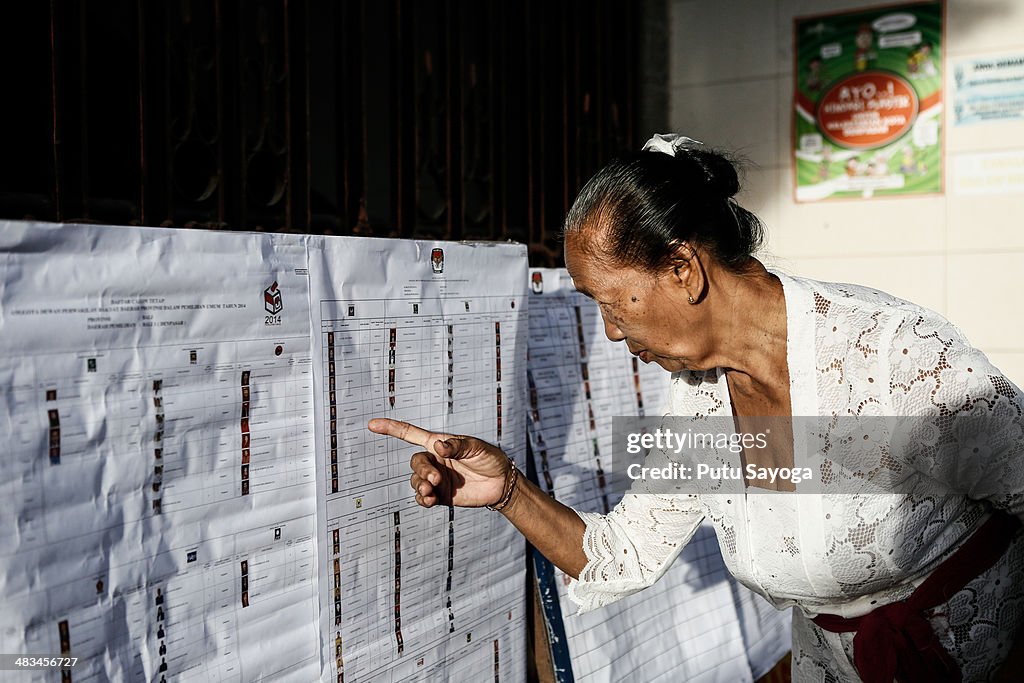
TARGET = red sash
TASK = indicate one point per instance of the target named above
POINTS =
(895, 641)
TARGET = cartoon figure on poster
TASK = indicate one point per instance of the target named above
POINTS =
(826, 163)
(864, 40)
(920, 64)
(909, 165)
(868, 103)
(814, 74)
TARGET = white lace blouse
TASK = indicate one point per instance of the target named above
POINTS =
(852, 351)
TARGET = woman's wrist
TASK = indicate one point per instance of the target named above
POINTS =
(511, 478)
(514, 500)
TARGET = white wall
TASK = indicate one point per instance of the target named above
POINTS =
(730, 85)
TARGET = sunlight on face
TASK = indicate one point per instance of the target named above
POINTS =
(636, 306)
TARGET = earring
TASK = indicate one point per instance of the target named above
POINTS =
(691, 300)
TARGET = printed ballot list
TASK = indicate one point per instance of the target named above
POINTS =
(188, 488)
(435, 337)
(157, 482)
(578, 381)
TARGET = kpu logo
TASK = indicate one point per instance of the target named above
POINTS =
(537, 282)
(272, 299)
(437, 260)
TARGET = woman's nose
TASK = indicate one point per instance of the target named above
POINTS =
(611, 330)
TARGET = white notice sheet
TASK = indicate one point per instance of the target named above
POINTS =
(685, 626)
(157, 493)
(434, 334)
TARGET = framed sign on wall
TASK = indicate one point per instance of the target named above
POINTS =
(867, 104)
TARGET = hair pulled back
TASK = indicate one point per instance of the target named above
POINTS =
(645, 203)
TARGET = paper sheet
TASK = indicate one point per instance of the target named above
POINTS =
(158, 485)
(434, 334)
(767, 632)
(685, 626)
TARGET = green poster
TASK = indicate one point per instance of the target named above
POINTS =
(868, 103)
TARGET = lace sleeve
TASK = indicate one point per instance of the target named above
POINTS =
(634, 545)
(963, 417)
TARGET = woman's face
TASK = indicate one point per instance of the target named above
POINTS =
(648, 311)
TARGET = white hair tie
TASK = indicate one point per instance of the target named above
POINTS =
(670, 143)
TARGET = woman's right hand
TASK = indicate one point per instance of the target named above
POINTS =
(469, 472)
(452, 470)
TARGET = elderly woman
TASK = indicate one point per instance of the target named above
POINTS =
(923, 584)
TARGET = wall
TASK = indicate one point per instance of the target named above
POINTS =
(730, 85)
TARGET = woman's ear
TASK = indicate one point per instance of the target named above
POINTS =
(688, 271)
